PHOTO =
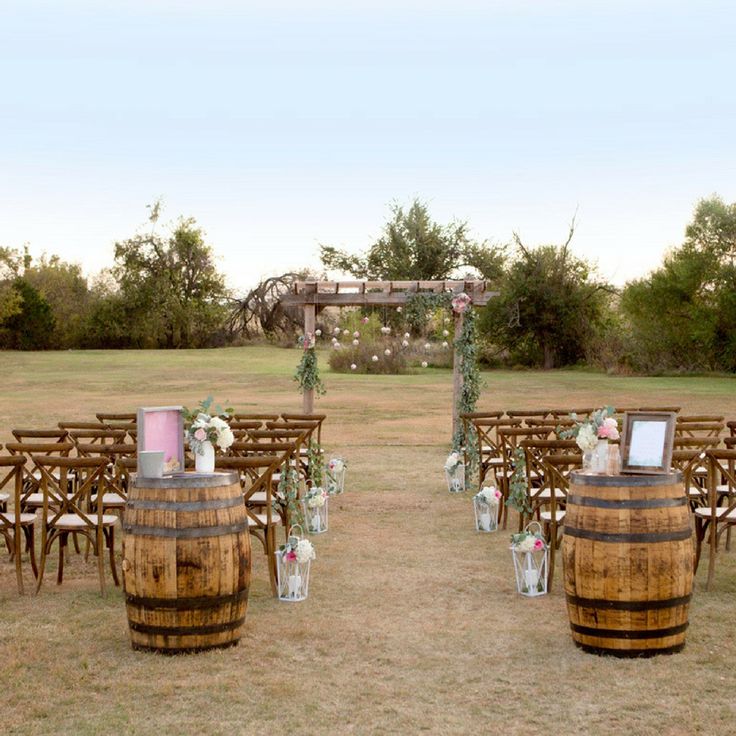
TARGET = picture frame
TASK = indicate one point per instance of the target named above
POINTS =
(647, 441)
(161, 428)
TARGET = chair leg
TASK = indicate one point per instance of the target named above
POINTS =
(111, 546)
(699, 536)
(31, 548)
(712, 556)
(63, 544)
(17, 546)
(271, 555)
(100, 540)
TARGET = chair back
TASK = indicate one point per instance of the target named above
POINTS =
(47, 435)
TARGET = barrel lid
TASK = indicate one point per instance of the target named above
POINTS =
(578, 478)
(187, 480)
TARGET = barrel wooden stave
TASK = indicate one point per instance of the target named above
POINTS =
(187, 550)
(627, 555)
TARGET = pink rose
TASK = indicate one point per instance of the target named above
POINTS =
(200, 435)
(497, 493)
(538, 544)
(291, 555)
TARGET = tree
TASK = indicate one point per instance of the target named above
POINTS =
(682, 315)
(10, 299)
(171, 293)
(549, 307)
(414, 247)
(30, 328)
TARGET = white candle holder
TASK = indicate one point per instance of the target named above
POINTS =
(316, 518)
(455, 478)
(335, 473)
(292, 576)
(486, 515)
(530, 566)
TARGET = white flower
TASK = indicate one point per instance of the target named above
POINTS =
(406, 336)
(318, 333)
(453, 460)
(346, 332)
(526, 544)
(387, 351)
(445, 333)
(375, 359)
(587, 438)
(336, 345)
(489, 496)
(304, 551)
(427, 346)
(356, 342)
(336, 330)
(424, 364)
(399, 310)
(218, 423)
(404, 344)
(336, 464)
(444, 344)
(353, 366)
(316, 500)
(225, 438)
(386, 330)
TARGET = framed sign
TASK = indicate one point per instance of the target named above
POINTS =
(161, 428)
(646, 444)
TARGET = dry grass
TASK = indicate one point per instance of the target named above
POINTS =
(412, 624)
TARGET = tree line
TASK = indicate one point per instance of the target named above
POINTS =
(553, 310)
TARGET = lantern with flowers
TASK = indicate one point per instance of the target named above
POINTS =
(336, 468)
(530, 553)
(485, 505)
(455, 473)
(293, 561)
(315, 507)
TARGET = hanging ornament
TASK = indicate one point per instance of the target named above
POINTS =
(427, 346)
(445, 344)
(445, 333)
(375, 359)
(356, 333)
(318, 333)
(336, 330)
(356, 343)
(404, 344)
(387, 352)
(353, 366)
(406, 336)
(424, 364)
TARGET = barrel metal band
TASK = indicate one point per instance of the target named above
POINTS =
(186, 630)
(629, 653)
(630, 537)
(187, 604)
(629, 633)
(633, 503)
(187, 533)
(213, 503)
(602, 603)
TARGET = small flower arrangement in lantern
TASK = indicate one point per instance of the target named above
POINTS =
(485, 505)
(455, 472)
(531, 554)
(336, 468)
(315, 509)
(293, 561)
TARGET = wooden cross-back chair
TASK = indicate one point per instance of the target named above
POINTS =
(509, 438)
(524, 413)
(297, 437)
(700, 418)
(256, 477)
(241, 428)
(553, 465)
(74, 425)
(289, 458)
(15, 525)
(297, 418)
(40, 435)
(129, 417)
(69, 513)
(31, 495)
(699, 429)
(675, 409)
(692, 463)
(97, 436)
(719, 515)
(490, 457)
(116, 482)
(261, 417)
(565, 413)
(731, 426)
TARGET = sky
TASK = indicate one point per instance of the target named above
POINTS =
(284, 125)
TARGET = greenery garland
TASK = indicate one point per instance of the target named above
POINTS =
(518, 488)
(470, 393)
(316, 464)
(307, 373)
(419, 305)
(288, 490)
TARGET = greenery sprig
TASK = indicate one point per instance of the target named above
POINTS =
(518, 487)
(307, 373)
(288, 489)
(316, 463)
(419, 305)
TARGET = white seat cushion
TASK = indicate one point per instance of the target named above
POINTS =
(720, 511)
(24, 518)
(72, 521)
(545, 493)
(263, 520)
(110, 499)
(547, 515)
(4, 497)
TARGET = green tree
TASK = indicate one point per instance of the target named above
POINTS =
(171, 293)
(414, 247)
(30, 328)
(550, 305)
(682, 315)
(10, 298)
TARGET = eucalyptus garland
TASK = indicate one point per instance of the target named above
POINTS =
(466, 350)
(307, 373)
(316, 463)
(288, 489)
(518, 488)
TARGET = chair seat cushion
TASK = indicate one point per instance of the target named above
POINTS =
(704, 512)
(263, 520)
(547, 515)
(546, 493)
(36, 499)
(25, 519)
(110, 499)
(72, 521)
(4, 497)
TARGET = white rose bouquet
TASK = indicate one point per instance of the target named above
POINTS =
(201, 427)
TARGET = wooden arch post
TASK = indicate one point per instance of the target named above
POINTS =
(310, 316)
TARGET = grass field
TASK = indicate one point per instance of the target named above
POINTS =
(412, 624)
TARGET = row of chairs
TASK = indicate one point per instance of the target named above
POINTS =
(80, 495)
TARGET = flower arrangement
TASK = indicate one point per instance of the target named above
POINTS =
(528, 541)
(489, 496)
(201, 426)
(460, 303)
(335, 473)
(298, 550)
(452, 462)
(601, 424)
(315, 497)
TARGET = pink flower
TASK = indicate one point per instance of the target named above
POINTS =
(200, 435)
(291, 555)
(460, 303)
(538, 544)
(497, 493)
(609, 429)
(364, 320)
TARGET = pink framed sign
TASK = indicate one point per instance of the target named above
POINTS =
(161, 428)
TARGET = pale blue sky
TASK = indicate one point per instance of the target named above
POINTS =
(280, 125)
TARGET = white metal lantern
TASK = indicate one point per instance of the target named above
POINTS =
(293, 562)
(315, 507)
(455, 478)
(336, 468)
(486, 506)
(530, 564)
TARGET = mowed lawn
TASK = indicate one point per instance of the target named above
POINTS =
(412, 624)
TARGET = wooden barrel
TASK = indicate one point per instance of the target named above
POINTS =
(627, 552)
(186, 561)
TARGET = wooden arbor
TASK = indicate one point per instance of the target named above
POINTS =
(315, 295)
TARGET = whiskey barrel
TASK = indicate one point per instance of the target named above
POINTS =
(627, 553)
(186, 561)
